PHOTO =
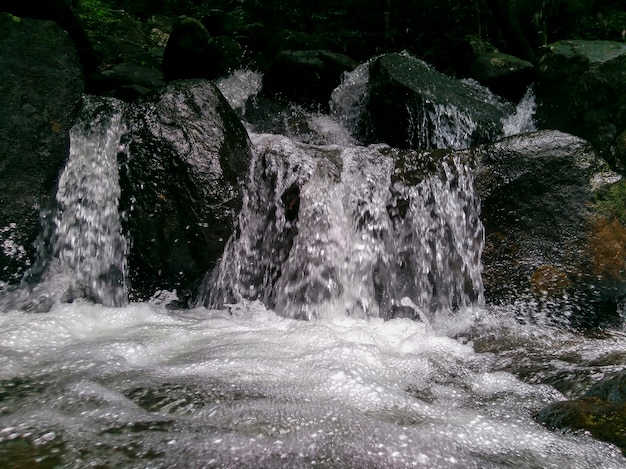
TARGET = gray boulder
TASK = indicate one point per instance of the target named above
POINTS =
(411, 105)
(41, 84)
(504, 74)
(186, 152)
(581, 89)
(306, 77)
(546, 225)
(191, 52)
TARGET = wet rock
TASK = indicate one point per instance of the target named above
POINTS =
(306, 77)
(191, 52)
(600, 411)
(581, 89)
(505, 75)
(127, 81)
(187, 151)
(548, 235)
(410, 105)
(41, 84)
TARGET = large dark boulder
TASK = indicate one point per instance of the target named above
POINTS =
(286, 40)
(186, 153)
(306, 77)
(551, 235)
(504, 74)
(191, 52)
(61, 12)
(411, 105)
(41, 84)
(581, 89)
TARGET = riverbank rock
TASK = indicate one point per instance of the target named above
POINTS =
(601, 411)
(306, 77)
(550, 234)
(41, 85)
(581, 89)
(411, 105)
(191, 52)
(186, 153)
(504, 74)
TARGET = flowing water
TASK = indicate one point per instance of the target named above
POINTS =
(401, 364)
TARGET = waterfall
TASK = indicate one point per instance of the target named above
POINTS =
(328, 231)
(87, 243)
(380, 244)
(523, 119)
(82, 251)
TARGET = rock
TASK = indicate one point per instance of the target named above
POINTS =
(187, 151)
(546, 231)
(41, 85)
(60, 12)
(127, 81)
(410, 105)
(505, 75)
(469, 49)
(603, 420)
(191, 52)
(306, 77)
(581, 89)
(601, 411)
(287, 40)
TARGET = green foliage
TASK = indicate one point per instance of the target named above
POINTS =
(611, 201)
(95, 14)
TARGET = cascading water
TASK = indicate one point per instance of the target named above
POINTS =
(523, 119)
(341, 233)
(87, 242)
(82, 251)
(329, 231)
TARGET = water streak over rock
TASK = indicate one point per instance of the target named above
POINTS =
(328, 231)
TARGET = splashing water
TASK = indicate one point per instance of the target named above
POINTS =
(523, 119)
(87, 242)
(82, 251)
(329, 231)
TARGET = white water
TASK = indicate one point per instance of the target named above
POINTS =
(141, 386)
(138, 386)
(523, 119)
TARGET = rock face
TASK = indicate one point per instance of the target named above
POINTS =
(600, 411)
(545, 225)
(180, 185)
(581, 89)
(191, 52)
(306, 77)
(40, 92)
(505, 75)
(410, 105)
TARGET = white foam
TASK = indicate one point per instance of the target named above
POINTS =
(244, 387)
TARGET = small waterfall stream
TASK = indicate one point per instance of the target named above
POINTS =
(329, 231)
(87, 241)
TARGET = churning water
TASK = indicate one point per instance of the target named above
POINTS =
(243, 384)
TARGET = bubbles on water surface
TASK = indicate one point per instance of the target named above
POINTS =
(141, 386)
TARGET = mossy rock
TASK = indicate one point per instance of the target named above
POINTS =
(604, 420)
(601, 411)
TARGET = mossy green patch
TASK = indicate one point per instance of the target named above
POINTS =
(610, 201)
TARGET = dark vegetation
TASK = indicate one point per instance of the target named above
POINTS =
(430, 29)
